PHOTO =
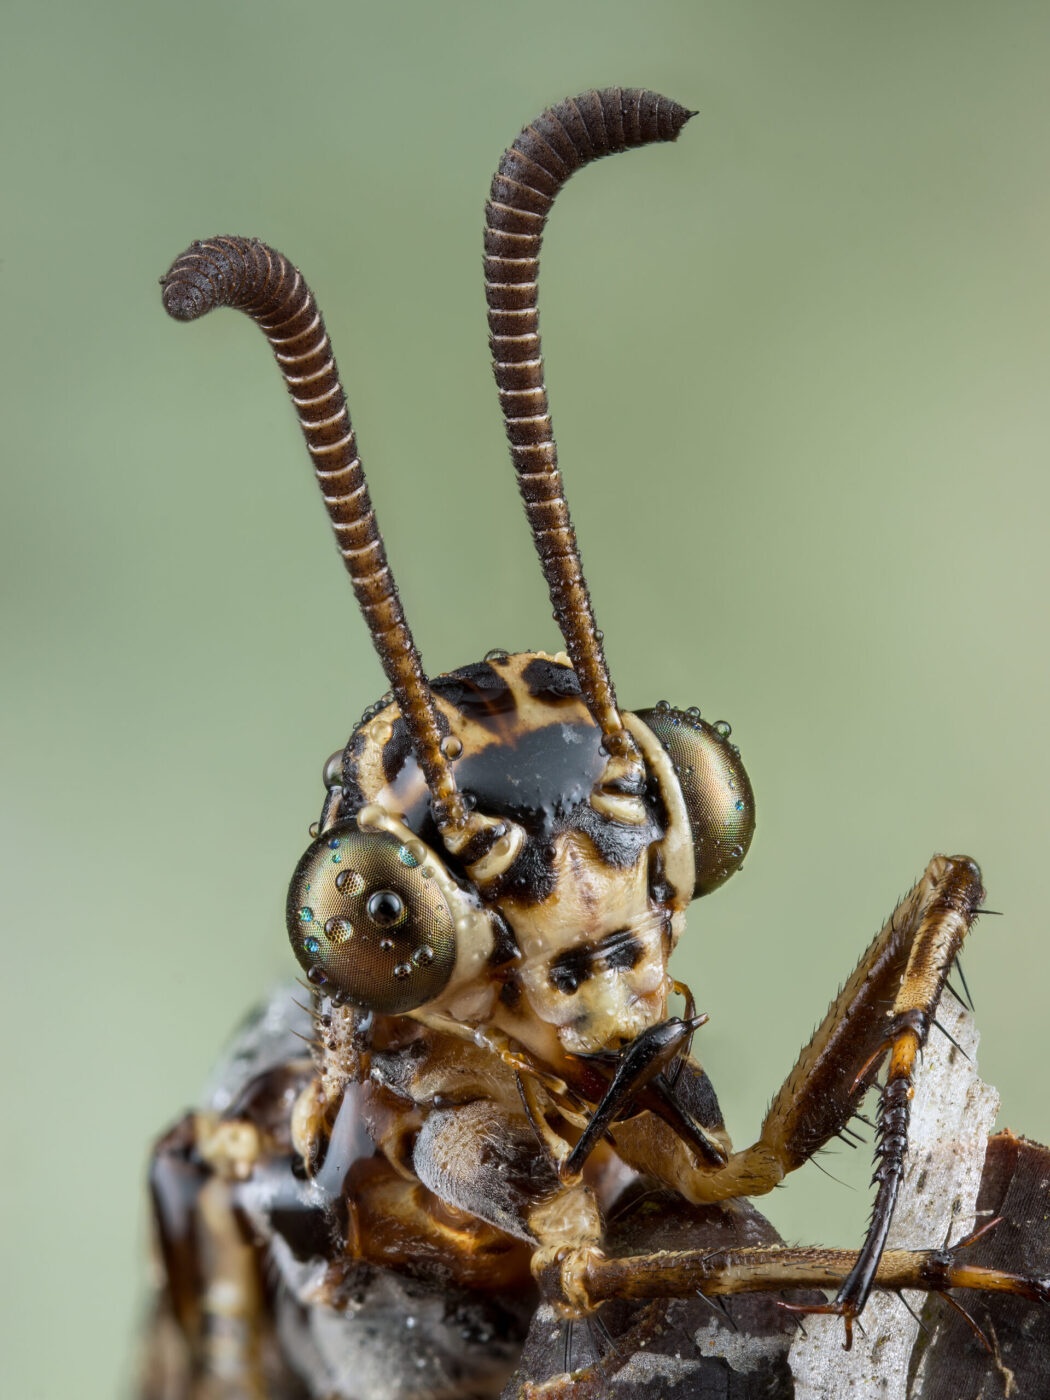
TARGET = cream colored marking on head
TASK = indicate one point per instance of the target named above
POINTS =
(474, 937)
(501, 857)
(619, 806)
(677, 844)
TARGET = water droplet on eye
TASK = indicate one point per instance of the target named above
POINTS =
(316, 976)
(497, 654)
(427, 872)
(451, 746)
(731, 784)
(335, 843)
(722, 728)
(737, 853)
(386, 945)
(403, 970)
(350, 882)
(423, 957)
(312, 945)
(407, 857)
(740, 806)
(693, 712)
(339, 930)
(306, 915)
(663, 704)
(386, 908)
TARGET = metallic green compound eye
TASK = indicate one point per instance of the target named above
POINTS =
(367, 925)
(717, 790)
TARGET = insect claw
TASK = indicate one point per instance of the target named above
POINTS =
(846, 1311)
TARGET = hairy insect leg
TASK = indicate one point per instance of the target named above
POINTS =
(885, 1008)
(583, 1280)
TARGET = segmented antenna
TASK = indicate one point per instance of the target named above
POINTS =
(531, 173)
(246, 274)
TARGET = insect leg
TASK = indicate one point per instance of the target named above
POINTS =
(212, 1333)
(589, 1279)
(885, 1008)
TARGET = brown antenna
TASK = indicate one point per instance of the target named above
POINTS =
(532, 171)
(248, 275)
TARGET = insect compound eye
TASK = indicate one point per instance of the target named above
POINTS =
(716, 789)
(368, 924)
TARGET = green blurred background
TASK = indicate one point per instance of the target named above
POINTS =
(798, 367)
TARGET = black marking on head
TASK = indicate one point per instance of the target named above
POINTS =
(532, 877)
(482, 842)
(571, 968)
(617, 844)
(504, 945)
(476, 690)
(660, 891)
(510, 993)
(619, 951)
(397, 749)
(550, 680)
(353, 796)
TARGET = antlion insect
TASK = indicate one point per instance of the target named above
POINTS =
(500, 874)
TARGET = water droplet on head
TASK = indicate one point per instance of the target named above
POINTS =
(316, 976)
(498, 655)
(407, 857)
(306, 915)
(451, 746)
(314, 828)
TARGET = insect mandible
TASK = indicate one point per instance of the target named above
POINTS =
(485, 918)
